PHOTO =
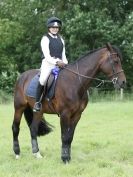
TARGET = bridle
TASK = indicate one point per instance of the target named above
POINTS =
(115, 79)
(102, 81)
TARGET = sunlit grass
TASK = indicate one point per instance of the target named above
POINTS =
(102, 145)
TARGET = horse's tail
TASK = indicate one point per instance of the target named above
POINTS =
(44, 127)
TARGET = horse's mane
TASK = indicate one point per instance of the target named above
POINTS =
(116, 49)
(89, 53)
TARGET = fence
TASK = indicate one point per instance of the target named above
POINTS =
(100, 94)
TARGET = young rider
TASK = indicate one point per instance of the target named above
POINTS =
(53, 49)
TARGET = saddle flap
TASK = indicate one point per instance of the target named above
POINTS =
(51, 83)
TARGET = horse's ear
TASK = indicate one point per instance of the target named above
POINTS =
(109, 47)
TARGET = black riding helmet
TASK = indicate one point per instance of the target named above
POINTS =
(54, 22)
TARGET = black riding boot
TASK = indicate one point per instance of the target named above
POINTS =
(39, 91)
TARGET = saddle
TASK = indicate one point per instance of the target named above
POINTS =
(50, 85)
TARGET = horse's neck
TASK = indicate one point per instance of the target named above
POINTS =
(88, 66)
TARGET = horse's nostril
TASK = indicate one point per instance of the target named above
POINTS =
(123, 84)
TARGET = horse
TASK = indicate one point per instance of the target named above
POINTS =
(70, 97)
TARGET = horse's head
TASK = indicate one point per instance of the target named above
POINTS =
(111, 66)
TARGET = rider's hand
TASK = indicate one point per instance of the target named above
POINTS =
(60, 64)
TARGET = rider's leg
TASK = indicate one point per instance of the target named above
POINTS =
(45, 72)
(39, 92)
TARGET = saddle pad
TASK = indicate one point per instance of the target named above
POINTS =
(31, 89)
(50, 86)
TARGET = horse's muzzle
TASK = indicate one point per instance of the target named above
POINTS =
(119, 83)
(123, 84)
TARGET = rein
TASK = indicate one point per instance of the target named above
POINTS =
(102, 81)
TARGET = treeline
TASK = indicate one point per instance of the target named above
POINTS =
(87, 25)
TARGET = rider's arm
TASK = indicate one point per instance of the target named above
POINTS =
(64, 59)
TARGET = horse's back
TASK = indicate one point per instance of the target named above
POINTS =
(26, 76)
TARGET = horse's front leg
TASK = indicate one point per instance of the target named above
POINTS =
(67, 132)
(66, 136)
(34, 132)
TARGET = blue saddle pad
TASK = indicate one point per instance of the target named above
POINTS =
(32, 87)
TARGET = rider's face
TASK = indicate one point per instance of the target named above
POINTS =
(54, 30)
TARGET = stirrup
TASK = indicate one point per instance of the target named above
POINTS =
(37, 107)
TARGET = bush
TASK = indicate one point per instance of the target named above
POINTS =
(7, 80)
(5, 97)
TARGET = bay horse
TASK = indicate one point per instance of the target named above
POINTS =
(70, 97)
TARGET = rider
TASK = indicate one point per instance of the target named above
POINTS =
(53, 49)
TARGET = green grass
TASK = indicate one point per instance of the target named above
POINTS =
(102, 145)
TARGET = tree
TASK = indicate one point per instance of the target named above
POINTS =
(87, 25)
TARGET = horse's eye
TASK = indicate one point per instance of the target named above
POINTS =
(116, 61)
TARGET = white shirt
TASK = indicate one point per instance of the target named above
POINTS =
(46, 52)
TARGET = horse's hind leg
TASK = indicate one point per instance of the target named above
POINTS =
(15, 130)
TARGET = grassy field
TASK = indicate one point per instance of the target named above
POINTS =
(102, 145)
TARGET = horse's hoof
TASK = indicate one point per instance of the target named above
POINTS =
(66, 160)
(17, 157)
(37, 155)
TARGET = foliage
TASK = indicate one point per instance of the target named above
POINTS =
(86, 25)
(7, 80)
(5, 98)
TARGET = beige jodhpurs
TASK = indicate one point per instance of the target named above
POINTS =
(46, 68)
